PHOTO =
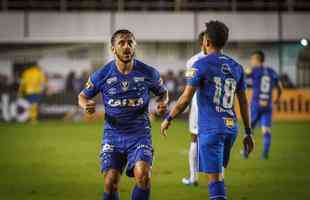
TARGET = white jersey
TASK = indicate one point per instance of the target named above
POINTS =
(193, 115)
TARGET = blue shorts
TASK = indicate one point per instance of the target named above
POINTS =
(119, 151)
(261, 115)
(33, 98)
(214, 151)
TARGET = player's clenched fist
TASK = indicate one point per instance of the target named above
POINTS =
(90, 107)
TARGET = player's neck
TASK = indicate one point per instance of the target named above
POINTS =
(213, 50)
(124, 67)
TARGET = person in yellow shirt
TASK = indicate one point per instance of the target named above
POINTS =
(32, 85)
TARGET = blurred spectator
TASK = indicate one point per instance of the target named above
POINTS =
(171, 84)
(32, 86)
(4, 85)
(181, 80)
(80, 83)
(286, 81)
(70, 82)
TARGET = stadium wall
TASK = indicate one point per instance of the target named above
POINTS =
(52, 27)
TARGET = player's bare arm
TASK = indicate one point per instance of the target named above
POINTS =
(88, 105)
(279, 88)
(183, 101)
(248, 141)
(162, 102)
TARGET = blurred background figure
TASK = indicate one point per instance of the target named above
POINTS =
(32, 85)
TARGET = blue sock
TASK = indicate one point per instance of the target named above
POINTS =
(217, 190)
(140, 194)
(267, 143)
(110, 196)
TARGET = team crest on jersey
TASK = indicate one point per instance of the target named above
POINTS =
(138, 79)
(226, 69)
(190, 72)
(89, 84)
(229, 122)
(111, 80)
(125, 85)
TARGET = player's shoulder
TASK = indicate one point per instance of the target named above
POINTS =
(271, 70)
(231, 62)
(102, 72)
(194, 58)
(145, 69)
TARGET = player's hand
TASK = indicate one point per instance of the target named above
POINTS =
(164, 127)
(90, 107)
(161, 108)
(248, 144)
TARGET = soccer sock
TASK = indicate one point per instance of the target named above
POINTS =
(110, 196)
(267, 142)
(140, 194)
(217, 190)
(193, 161)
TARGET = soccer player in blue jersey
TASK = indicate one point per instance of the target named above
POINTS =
(263, 79)
(126, 85)
(217, 78)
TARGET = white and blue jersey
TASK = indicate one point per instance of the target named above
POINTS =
(126, 98)
(263, 80)
(193, 114)
(217, 78)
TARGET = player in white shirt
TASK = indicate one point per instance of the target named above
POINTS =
(193, 128)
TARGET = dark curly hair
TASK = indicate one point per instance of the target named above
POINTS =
(200, 38)
(120, 32)
(217, 32)
(260, 54)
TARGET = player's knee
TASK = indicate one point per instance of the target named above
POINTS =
(111, 182)
(142, 176)
(215, 177)
(265, 129)
(142, 180)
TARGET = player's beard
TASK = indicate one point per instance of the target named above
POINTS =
(131, 56)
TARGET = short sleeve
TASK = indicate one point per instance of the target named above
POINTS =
(275, 77)
(194, 74)
(91, 89)
(241, 85)
(157, 84)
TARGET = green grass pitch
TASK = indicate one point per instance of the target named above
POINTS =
(55, 160)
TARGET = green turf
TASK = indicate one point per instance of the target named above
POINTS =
(59, 161)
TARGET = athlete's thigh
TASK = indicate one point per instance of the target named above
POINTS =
(112, 155)
(210, 152)
(193, 117)
(255, 115)
(140, 149)
(228, 144)
(266, 119)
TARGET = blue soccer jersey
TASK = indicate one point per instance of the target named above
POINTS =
(217, 78)
(264, 79)
(125, 97)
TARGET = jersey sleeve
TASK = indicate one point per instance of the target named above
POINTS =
(157, 84)
(194, 74)
(241, 85)
(275, 77)
(91, 87)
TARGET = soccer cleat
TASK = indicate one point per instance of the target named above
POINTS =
(187, 181)
(264, 156)
(244, 154)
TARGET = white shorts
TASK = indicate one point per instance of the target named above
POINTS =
(193, 116)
